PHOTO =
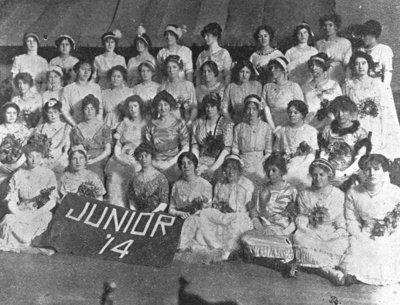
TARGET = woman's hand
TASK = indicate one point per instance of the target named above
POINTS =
(183, 215)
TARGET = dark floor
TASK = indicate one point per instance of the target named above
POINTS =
(67, 279)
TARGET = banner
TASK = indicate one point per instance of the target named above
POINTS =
(92, 228)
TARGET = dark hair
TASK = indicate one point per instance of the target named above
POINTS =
(213, 99)
(371, 27)
(147, 64)
(300, 107)
(30, 34)
(247, 102)
(110, 35)
(57, 72)
(5, 107)
(335, 18)
(325, 65)
(24, 77)
(146, 147)
(175, 26)
(239, 66)
(343, 103)
(266, 28)
(234, 162)
(176, 59)
(164, 96)
(71, 153)
(59, 40)
(367, 57)
(191, 156)
(143, 37)
(212, 65)
(133, 99)
(213, 29)
(57, 105)
(276, 159)
(296, 31)
(119, 68)
(368, 160)
(90, 99)
(82, 62)
(275, 62)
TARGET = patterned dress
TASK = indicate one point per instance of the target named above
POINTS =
(298, 63)
(112, 100)
(104, 63)
(71, 181)
(221, 57)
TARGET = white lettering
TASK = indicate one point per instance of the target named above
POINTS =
(97, 224)
(161, 223)
(129, 222)
(79, 218)
(133, 231)
(114, 216)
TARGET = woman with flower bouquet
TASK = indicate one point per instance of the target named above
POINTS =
(321, 237)
(373, 221)
(374, 111)
(32, 196)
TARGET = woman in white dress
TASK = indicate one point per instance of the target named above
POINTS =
(65, 44)
(338, 48)
(300, 53)
(142, 44)
(212, 35)
(31, 62)
(114, 97)
(173, 34)
(55, 84)
(107, 60)
(265, 39)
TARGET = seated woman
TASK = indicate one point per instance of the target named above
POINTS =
(148, 189)
(94, 135)
(273, 214)
(122, 165)
(321, 237)
(31, 197)
(252, 139)
(59, 134)
(372, 216)
(344, 141)
(212, 136)
(168, 135)
(79, 180)
(299, 142)
(55, 84)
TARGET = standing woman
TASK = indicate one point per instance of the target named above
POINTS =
(122, 165)
(300, 53)
(182, 90)
(31, 62)
(280, 92)
(337, 48)
(212, 35)
(114, 98)
(94, 135)
(74, 93)
(168, 135)
(142, 44)
(264, 37)
(55, 84)
(65, 44)
(173, 34)
(109, 59)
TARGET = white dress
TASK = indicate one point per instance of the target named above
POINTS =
(112, 98)
(221, 57)
(183, 52)
(133, 72)
(102, 64)
(35, 65)
(298, 63)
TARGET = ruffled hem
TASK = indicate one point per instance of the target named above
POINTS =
(316, 258)
(284, 253)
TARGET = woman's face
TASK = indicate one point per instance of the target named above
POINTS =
(65, 47)
(173, 69)
(146, 73)
(343, 117)
(244, 75)
(252, 111)
(77, 161)
(274, 174)
(263, 38)
(231, 172)
(11, 115)
(109, 45)
(170, 38)
(208, 74)
(89, 112)
(22, 86)
(211, 110)
(140, 46)
(145, 159)
(54, 80)
(53, 115)
(117, 79)
(84, 72)
(302, 35)
(133, 109)
(31, 44)
(295, 116)
(163, 108)
(34, 159)
(374, 174)
(315, 68)
(329, 28)
(320, 177)
(187, 167)
(210, 39)
(361, 66)
(368, 40)
(277, 71)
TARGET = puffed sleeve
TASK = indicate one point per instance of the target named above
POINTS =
(297, 92)
(347, 52)
(187, 59)
(121, 61)
(16, 67)
(337, 91)
(387, 59)
(353, 219)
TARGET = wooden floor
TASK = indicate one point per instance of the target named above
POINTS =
(66, 279)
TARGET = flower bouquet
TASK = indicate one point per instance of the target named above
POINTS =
(43, 141)
(213, 145)
(10, 149)
(322, 113)
(196, 205)
(30, 117)
(317, 216)
(303, 150)
(145, 203)
(223, 207)
(368, 106)
(44, 197)
(88, 189)
(388, 224)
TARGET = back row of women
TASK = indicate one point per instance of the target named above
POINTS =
(169, 145)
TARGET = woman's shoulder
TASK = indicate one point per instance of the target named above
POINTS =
(185, 51)
(203, 182)
(246, 183)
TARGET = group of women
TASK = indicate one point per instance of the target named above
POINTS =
(277, 156)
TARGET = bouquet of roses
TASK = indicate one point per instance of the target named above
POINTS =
(368, 106)
(44, 197)
(10, 149)
(317, 216)
(31, 117)
(43, 141)
(303, 150)
(388, 224)
(213, 145)
(223, 207)
(88, 189)
(145, 203)
(196, 205)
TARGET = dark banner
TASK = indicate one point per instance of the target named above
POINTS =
(92, 228)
